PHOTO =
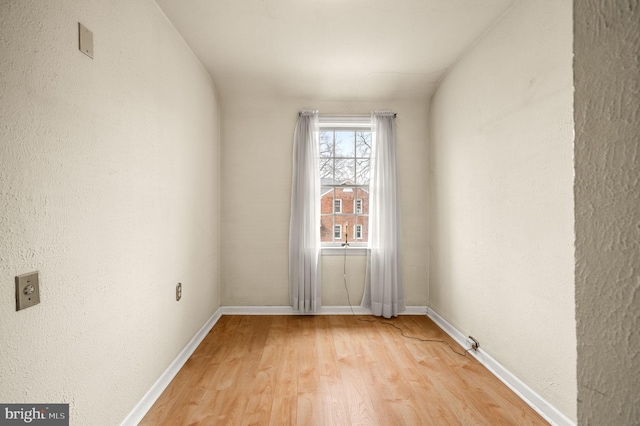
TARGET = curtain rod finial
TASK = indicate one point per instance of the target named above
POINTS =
(386, 113)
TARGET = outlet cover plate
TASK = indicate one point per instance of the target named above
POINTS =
(27, 290)
(470, 341)
(85, 40)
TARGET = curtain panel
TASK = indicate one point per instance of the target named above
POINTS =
(304, 227)
(384, 293)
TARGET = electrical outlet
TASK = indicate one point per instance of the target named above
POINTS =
(472, 343)
(27, 290)
(178, 291)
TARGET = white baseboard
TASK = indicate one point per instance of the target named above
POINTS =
(528, 395)
(325, 310)
(147, 401)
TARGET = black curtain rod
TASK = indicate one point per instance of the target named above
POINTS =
(395, 114)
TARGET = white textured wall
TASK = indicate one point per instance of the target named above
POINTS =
(109, 187)
(607, 216)
(501, 161)
(256, 199)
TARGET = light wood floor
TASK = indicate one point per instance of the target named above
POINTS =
(334, 370)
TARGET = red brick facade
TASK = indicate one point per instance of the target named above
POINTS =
(346, 215)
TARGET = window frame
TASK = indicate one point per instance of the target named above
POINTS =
(357, 206)
(339, 210)
(356, 124)
(339, 229)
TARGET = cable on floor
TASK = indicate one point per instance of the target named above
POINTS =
(420, 339)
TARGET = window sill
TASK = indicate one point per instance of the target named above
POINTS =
(340, 251)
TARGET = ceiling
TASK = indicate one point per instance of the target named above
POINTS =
(342, 50)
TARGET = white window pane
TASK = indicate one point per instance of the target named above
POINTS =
(326, 200)
(326, 144)
(326, 225)
(362, 171)
(363, 222)
(326, 169)
(345, 171)
(348, 223)
(363, 195)
(363, 144)
(345, 144)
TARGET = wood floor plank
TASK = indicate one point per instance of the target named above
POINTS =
(211, 409)
(389, 366)
(308, 370)
(233, 406)
(262, 387)
(330, 378)
(356, 375)
(311, 410)
(336, 406)
(174, 395)
(284, 410)
(334, 370)
(433, 408)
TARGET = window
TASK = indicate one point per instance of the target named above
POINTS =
(345, 151)
(358, 232)
(358, 207)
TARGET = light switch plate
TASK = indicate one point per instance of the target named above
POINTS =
(27, 290)
(85, 40)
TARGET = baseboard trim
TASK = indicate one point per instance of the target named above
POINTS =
(147, 401)
(325, 310)
(528, 395)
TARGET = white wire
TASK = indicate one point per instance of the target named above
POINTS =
(346, 287)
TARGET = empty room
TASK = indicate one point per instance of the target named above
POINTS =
(303, 212)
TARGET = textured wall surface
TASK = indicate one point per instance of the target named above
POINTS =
(607, 215)
(109, 187)
(501, 227)
(256, 199)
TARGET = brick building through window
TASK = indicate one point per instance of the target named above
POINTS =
(344, 214)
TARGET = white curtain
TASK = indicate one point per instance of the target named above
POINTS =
(383, 283)
(304, 228)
